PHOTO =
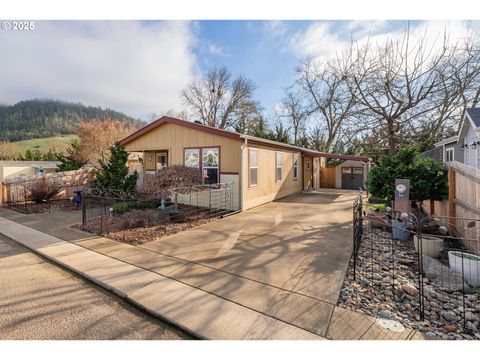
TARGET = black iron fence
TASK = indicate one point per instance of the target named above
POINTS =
(409, 267)
(43, 195)
(133, 217)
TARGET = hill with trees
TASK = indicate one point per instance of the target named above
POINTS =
(33, 119)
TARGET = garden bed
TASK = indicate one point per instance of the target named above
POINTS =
(54, 206)
(387, 286)
(140, 226)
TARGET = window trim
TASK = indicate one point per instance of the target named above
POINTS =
(447, 150)
(250, 185)
(277, 166)
(200, 159)
(296, 156)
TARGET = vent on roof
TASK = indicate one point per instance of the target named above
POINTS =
(198, 122)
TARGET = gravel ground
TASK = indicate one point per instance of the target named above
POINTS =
(41, 301)
(386, 286)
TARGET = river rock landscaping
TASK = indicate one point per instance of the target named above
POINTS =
(387, 286)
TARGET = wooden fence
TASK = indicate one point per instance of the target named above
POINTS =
(327, 177)
(464, 201)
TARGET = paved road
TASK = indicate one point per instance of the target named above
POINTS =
(41, 301)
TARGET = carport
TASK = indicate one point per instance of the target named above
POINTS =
(351, 173)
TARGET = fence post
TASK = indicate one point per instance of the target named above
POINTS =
(452, 223)
(4, 193)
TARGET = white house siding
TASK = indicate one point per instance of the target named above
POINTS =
(472, 156)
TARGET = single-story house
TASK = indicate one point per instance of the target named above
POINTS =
(10, 169)
(469, 137)
(261, 170)
(446, 151)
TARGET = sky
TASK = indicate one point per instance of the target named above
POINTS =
(140, 67)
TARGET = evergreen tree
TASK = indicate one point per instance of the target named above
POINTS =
(114, 172)
(72, 160)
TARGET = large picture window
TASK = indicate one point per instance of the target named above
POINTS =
(253, 167)
(206, 160)
(295, 166)
(278, 166)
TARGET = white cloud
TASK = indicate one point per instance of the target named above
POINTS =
(215, 49)
(275, 27)
(322, 41)
(130, 66)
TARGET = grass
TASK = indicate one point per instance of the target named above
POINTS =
(43, 144)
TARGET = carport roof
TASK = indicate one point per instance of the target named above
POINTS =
(235, 135)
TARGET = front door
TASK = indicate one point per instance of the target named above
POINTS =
(352, 178)
(161, 160)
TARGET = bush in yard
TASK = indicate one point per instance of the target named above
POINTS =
(175, 176)
(42, 189)
(428, 177)
(114, 172)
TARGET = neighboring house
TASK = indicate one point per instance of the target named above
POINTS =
(469, 137)
(13, 169)
(261, 170)
(446, 151)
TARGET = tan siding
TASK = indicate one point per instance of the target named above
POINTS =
(268, 189)
(175, 138)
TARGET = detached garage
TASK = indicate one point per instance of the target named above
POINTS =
(351, 174)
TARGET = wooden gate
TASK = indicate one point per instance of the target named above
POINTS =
(327, 177)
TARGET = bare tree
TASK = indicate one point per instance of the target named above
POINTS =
(6, 150)
(295, 111)
(330, 103)
(403, 86)
(216, 99)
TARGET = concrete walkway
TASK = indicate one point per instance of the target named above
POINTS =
(272, 272)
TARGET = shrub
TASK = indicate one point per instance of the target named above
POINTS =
(42, 189)
(428, 178)
(175, 176)
(123, 207)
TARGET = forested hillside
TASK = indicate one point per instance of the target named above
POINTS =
(44, 118)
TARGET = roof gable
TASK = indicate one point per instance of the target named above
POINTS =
(474, 115)
(170, 120)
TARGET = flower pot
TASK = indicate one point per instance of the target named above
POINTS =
(471, 266)
(431, 245)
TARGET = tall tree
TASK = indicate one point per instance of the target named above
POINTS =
(216, 99)
(97, 136)
(402, 83)
(295, 111)
(330, 104)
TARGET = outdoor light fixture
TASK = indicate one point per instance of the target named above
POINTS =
(463, 147)
(473, 145)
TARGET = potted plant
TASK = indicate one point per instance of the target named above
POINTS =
(470, 263)
(431, 245)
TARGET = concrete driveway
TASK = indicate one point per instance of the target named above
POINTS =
(286, 259)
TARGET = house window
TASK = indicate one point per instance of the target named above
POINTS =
(449, 154)
(295, 166)
(192, 158)
(253, 167)
(206, 160)
(278, 166)
(210, 165)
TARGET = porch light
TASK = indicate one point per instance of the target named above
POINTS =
(474, 145)
(462, 148)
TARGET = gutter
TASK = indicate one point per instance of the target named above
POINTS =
(242, 172)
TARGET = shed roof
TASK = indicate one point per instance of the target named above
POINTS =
(235, 135)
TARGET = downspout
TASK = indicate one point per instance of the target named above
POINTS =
(243, 173)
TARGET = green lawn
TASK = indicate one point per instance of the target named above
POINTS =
(43, 144)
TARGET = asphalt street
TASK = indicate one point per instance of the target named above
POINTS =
(39, 300)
